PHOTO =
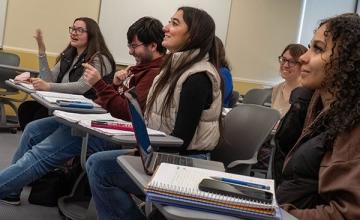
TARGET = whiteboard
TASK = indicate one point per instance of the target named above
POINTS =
(117, 15)
(3, 4)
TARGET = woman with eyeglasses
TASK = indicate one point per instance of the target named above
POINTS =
(290, 72)
(280, 98)
(320, 178)
(86, 45)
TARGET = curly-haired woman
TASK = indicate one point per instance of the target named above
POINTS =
(321, 172)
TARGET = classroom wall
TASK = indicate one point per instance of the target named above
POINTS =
(53, 17)
(276, 19)
(258, 31)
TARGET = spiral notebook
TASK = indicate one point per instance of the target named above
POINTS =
(178, 186)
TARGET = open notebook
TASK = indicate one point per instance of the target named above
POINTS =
(24, 84)
(178, 185)
(52, 97)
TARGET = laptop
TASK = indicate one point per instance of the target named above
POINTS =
(151, 159)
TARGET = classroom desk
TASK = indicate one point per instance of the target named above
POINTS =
(75, 209)
(52, 106)
(132, 165)
(19, 69)
(123, 140)
(19, 87)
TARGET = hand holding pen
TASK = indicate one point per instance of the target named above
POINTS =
(39, 84)
(91, 74)
(121, 75)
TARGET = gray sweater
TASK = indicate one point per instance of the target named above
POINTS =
(79, 87)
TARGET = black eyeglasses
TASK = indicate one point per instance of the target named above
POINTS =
(78, 30)
(134, 46)
(283, 60)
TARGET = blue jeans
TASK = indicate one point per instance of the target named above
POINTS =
(111, 187)
(44, 145)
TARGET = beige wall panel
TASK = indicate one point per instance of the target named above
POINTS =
(258, 32)
(52, 16)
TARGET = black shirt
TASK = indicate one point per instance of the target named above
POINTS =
(195, 96)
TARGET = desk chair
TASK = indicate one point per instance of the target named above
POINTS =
(245, 129)
(5, 90)
(258, 97)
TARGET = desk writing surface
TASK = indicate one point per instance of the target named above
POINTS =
(18, 69)
(132, 165)
(52, 106)
(125, 140)
(19, 87)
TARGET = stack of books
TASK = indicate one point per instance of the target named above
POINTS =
(179, 186)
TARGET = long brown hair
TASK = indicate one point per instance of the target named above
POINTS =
(201, 29)
(96, 45)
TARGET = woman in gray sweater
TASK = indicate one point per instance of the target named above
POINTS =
(86, 45)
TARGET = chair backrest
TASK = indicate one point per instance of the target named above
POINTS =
(245, 129)
(5, 74)
(235, 95)
(257, 96)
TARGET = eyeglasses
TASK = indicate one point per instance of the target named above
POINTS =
(134, 46)
(78, 30)
(283, 60)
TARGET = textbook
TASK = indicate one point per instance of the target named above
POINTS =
(179, 186)
(86, 119)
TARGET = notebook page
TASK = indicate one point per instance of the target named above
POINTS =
(76, 117)
(185, 181)
(52, 97)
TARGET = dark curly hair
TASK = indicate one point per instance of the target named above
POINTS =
(342, 76)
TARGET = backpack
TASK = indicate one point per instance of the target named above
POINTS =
(57, 183)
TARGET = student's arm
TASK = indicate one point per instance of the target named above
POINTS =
(44, 71)
(196, 95)
(80, 86)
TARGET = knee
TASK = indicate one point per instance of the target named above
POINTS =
(92, 163)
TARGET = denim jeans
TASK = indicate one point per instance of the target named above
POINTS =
(44, 145)
(111, 187)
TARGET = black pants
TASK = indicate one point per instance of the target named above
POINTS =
(29, 111)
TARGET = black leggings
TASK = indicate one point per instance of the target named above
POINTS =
(29, 111)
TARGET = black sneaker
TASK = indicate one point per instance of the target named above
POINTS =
(10, 201)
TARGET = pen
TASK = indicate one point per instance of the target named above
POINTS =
(239, 182)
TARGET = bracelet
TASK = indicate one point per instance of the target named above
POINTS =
(42, 55)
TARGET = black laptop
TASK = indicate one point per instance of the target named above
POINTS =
(151, 159)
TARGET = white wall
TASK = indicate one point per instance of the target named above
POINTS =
(117, 16)
(316, 10)
(258, 32)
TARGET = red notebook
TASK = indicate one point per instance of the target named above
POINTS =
(112, 125)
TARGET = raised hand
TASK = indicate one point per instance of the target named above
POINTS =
(121, 75)
(40, 41)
